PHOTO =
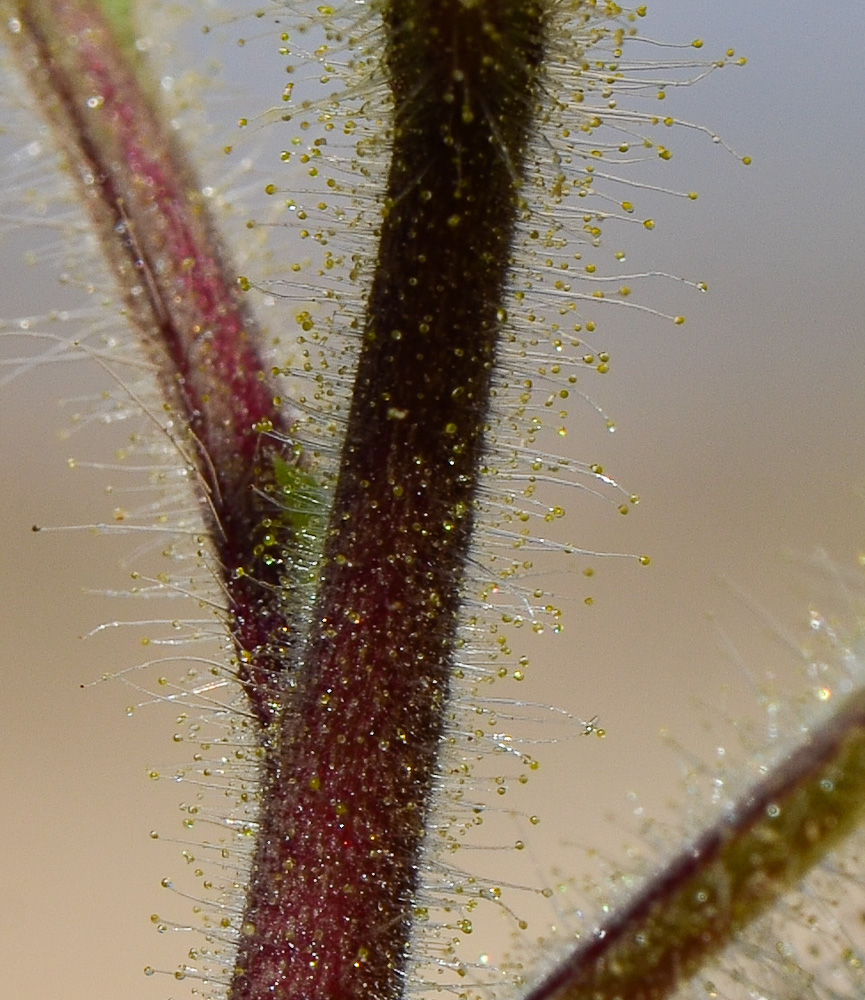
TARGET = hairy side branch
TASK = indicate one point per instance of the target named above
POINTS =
(181, 294)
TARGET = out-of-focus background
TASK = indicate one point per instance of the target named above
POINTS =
(740, 430)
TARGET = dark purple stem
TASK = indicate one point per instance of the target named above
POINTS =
(347, 786)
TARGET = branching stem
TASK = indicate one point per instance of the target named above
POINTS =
(351, 699)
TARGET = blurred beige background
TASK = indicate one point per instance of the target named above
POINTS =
(740, 430)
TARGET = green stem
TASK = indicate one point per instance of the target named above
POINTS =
(729, 877)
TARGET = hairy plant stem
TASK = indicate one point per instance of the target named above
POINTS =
(350, 772)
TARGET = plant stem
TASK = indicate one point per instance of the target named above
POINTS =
(347, 784)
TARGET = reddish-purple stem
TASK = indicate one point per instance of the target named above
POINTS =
(182, 294)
